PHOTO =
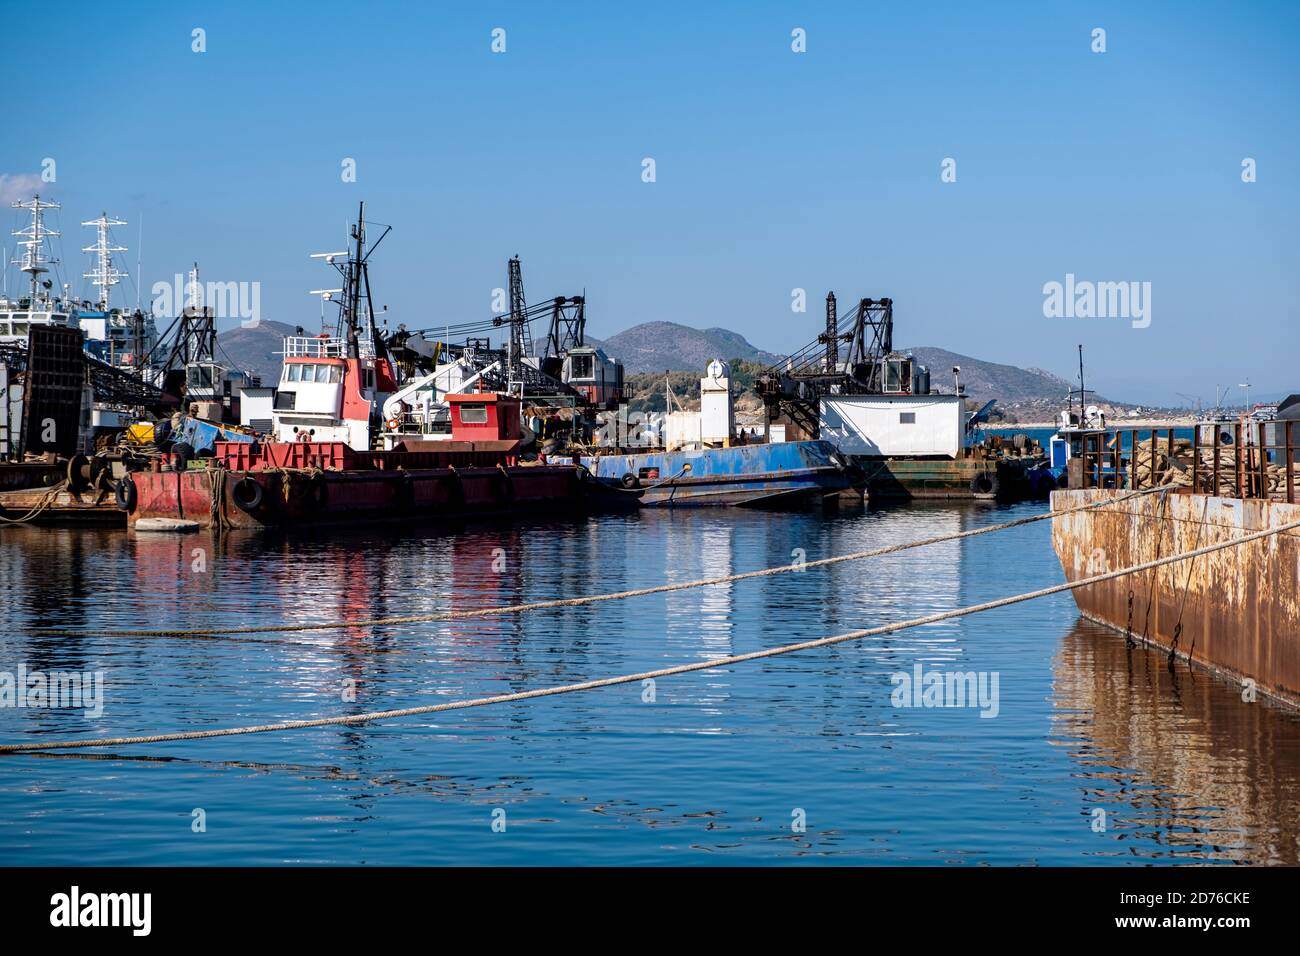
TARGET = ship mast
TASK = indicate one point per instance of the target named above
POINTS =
(356, 283)
(34, 261)
(104, 275)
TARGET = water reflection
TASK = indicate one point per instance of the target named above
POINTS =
(712, 766)
(1183, 766)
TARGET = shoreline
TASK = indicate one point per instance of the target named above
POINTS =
(1124, 424)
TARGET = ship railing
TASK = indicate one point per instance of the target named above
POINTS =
(1242, 459)
(317, 346)
(301, 346)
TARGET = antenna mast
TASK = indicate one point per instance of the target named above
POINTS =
(1081, 391)
(34, 261)
(105, 275)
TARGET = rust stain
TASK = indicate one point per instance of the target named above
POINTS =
(1239, 607)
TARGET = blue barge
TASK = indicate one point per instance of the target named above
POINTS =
(782, 474)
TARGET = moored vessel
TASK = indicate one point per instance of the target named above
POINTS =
(1234, 610)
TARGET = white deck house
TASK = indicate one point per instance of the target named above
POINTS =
(894, 426)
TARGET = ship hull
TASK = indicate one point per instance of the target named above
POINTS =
(1236, 610)
(216, 498)
(780, 475)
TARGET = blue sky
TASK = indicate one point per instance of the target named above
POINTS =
(775, 170)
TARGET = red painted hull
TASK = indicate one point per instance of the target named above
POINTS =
(215, 497)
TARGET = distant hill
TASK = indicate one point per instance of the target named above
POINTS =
(985, 380)
(660, 346)
(256, 350)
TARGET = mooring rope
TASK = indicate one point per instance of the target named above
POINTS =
(642, 675)
(587, 599)
(44, 504)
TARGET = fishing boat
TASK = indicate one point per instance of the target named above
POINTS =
(322, 463)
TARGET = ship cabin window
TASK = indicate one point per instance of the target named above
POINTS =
(907, 418)
(473, 415)
(898, 375)
(583, 366)
(285, 401)
(325, 374)
(200, 376)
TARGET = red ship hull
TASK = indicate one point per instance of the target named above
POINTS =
(265, 493)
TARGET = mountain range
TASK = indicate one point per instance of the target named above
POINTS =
(669, 346)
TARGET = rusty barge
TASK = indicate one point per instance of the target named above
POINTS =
(1235, 611)
(395, 485)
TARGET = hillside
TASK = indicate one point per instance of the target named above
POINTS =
(985, 380)
(659, 346)
(256, 350)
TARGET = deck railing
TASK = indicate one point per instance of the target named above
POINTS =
(1241, 459)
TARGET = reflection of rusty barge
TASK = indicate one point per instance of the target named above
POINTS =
(1236, 610)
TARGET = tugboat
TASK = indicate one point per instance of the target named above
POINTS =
(322, 464)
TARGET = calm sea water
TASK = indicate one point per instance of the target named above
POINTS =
(716, 769)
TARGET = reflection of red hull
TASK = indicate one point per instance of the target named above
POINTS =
(312, 496)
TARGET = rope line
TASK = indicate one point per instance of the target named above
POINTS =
(588, 599)
(642, 675)
(45, 502)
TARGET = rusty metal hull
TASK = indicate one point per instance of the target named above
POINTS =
(943, 478)
(1239, 608)
(303, 498)
(61, 507)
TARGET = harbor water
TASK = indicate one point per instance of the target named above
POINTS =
(1083, 751)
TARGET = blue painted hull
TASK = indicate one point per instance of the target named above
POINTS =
(778, 475)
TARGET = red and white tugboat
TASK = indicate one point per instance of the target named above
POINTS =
(320, 465)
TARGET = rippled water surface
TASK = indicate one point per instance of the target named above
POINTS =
(715, 769)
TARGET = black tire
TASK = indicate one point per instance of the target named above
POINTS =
(1064, 480)
(630, 480)
(984, 483)
(127, 495)
(247, 494)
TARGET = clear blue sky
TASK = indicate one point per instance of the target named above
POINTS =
(775, 170)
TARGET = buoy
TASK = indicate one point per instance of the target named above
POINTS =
(175, 525)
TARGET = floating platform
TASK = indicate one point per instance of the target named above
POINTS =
(1236, 611)
(777, 475)
(993, 479)
(59, 506)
